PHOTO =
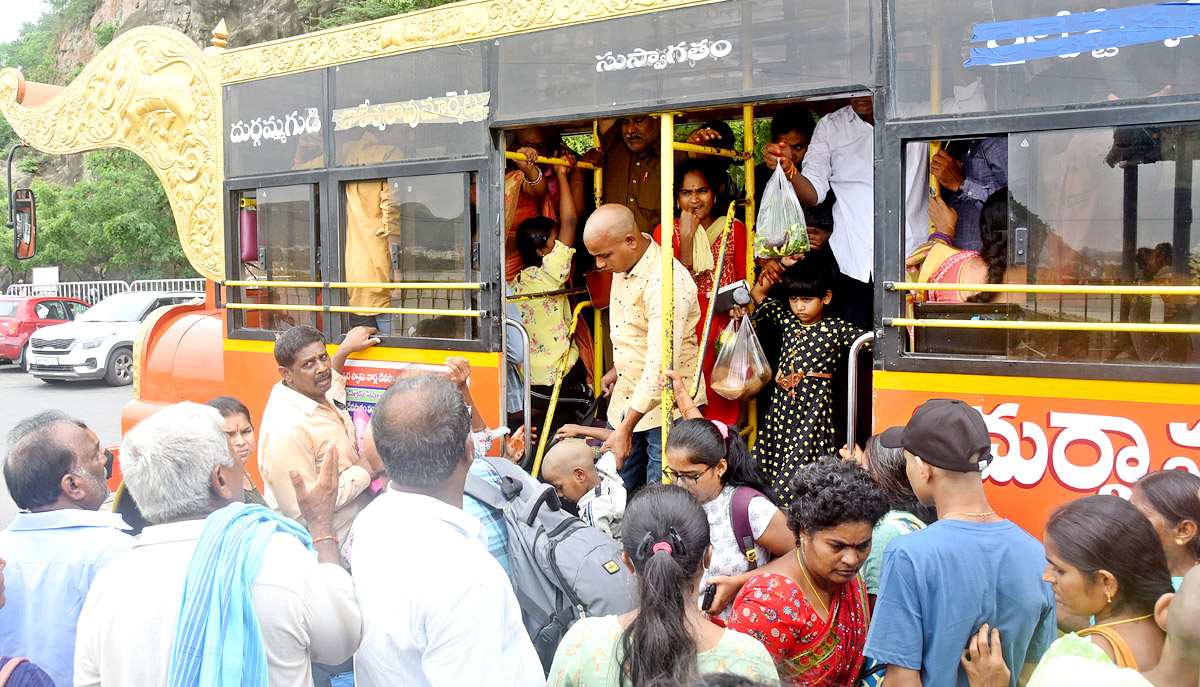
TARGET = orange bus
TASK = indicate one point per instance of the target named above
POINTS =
(277, 159)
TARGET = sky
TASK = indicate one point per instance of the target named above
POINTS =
(16, 13)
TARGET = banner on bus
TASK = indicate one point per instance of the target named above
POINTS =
(1057, 440)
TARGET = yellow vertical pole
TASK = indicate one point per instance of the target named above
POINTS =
(598, 321)
(597, 350)
(666, 182)
(748, 147)
(598, 174)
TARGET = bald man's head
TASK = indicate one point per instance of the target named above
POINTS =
(612, 237)
(571, 467)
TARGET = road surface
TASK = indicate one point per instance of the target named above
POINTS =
(94, 402)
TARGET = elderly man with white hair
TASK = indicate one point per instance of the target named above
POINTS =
(215, 591)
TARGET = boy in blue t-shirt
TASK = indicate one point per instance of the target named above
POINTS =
(941, 584)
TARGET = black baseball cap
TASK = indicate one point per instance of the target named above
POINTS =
(945, 433)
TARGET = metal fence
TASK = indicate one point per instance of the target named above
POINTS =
(94, 291)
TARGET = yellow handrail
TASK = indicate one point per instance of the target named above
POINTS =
(667, 220)
(355, 309)
(431, 286)
(550, 161)
(712, 298)
(558, 380)
(1138, 327)
(709, 150)
(544, 294)
(748, 148)
(1090, 289)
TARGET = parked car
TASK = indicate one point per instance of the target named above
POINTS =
(99, 344)
(21, 316)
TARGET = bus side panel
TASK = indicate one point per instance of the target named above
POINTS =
(251, 372)
(1055, 440)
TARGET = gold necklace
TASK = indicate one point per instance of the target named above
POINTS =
(811, 586)
(970, 515)
(1127, 620)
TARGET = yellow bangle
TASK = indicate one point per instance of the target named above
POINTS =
(331, 537)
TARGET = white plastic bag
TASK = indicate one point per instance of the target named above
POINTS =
(780, 229)
(741, 369)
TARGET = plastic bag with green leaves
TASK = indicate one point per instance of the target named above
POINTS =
(780, 230)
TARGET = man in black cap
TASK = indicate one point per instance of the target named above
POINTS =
(940, 585)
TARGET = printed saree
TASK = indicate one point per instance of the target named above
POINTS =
(807, 650)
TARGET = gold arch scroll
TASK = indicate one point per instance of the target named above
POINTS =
(149, 91)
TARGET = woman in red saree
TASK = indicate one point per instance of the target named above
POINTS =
(698, 239)
(810, 608)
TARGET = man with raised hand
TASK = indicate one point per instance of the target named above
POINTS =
(305, 415)
(215, 586)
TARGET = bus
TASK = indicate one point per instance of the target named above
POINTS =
(272, 155)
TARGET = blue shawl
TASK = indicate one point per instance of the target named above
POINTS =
(218, 642)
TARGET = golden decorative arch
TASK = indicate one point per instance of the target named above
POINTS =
(460, 22)
(149, 91)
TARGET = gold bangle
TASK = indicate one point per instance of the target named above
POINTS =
(330, 537)
(685, 411)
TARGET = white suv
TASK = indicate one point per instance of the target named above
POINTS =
(99, 343)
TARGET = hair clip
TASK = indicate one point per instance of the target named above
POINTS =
(722, 428)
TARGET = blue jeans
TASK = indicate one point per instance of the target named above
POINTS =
(644, 464)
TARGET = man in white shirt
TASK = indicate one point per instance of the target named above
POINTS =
(178, 466)
(437, 608)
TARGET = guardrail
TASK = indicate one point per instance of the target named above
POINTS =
(96, 291)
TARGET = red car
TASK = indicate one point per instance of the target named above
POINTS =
(21, 316)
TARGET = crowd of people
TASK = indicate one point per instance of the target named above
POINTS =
(405, 552)
(881, 563)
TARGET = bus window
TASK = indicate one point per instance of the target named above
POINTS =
(278, 242)
(1100, 207)
(412, 229)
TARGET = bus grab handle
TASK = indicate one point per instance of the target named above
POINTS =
(852, 384)
(528, 392)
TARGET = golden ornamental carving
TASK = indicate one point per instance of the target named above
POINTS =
(447, 25)
(149, 91)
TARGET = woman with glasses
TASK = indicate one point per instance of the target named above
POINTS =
(710, 460)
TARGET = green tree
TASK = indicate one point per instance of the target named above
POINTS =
(117, 220)
(355, 11)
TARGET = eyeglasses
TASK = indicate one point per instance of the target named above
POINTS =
(682, 479)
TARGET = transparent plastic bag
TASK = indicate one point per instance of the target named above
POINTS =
(741, 369)
(780, 228)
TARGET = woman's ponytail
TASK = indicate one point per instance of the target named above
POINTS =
(665, 534)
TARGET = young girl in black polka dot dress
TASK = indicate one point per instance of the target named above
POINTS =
(799, 428)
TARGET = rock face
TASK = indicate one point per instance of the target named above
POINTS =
(249, 22)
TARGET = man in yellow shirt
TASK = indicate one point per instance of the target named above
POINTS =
(305, 415)
(612, 237)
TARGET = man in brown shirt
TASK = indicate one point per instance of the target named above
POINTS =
(634, 410)
(305, 415)
(629, 152)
